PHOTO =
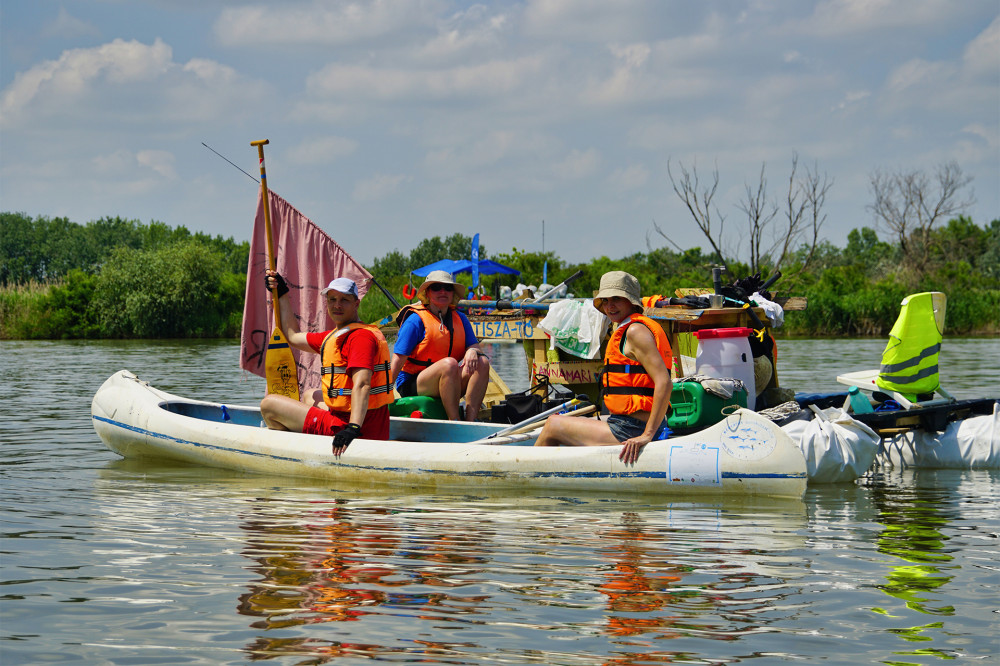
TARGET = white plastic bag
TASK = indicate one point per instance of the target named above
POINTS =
(838, 450)
(773, 311)
(972, 443)
(575, 327)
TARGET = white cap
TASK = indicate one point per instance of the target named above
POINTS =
(343, 285)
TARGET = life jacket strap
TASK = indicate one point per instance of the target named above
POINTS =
(375, 390)
(627, 390)
(625, 368)
(340, 370)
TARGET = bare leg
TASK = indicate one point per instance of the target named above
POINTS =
(282, 413)
(561, 430)
(476, 385)
(314, 398)
(443, 379)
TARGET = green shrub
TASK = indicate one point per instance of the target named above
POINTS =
(176, 291)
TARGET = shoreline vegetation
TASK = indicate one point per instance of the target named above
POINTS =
(119, 279)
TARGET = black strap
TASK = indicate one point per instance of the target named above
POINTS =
(625, 368)
(627, 390)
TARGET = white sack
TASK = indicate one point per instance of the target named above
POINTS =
(575, 327)
(836, 451)
(972, 443)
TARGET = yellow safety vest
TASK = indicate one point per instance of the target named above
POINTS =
(910, 359)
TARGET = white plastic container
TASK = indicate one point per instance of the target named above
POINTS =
(724, 353)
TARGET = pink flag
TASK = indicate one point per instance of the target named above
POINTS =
(308, 259)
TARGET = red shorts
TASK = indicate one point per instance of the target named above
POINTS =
(322, 422)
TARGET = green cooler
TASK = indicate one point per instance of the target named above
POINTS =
(429, 407)
(691, 406)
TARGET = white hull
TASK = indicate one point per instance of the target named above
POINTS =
(745, 454)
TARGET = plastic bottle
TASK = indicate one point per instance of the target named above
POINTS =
(859, 403)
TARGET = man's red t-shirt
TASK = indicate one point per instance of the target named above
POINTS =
(361, 351)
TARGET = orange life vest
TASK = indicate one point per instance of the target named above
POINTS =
(337, 382)
(626, 387)
(440, 341)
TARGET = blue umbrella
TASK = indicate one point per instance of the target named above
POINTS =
(486, 267)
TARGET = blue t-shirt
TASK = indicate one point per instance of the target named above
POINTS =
(412, 332)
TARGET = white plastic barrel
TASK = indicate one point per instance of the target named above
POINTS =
(724, 353)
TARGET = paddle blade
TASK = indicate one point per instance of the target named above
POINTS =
(279, 366)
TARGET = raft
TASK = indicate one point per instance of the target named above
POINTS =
(744, 454)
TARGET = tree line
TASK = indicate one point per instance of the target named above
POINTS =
(116, 278)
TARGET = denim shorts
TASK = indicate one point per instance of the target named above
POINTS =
(625, 427)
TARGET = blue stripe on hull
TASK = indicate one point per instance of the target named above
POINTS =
(482, 474)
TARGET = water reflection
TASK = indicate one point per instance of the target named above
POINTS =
(341, 563)
(451, 574)
(913, 518)
(640, 581)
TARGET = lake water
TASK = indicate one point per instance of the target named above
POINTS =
(106, 561)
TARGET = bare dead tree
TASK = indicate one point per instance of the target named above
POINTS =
(804, 203)
(760, 213)
(699, 204)
(908, 204)
(804, 212)
(649, 242)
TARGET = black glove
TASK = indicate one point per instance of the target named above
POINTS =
(279, 283)
(345, 437)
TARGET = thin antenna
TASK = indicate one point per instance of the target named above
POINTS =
(543, 238)
(230, 161)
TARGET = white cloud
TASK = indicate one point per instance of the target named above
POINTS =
(564, 110)
(854, 17)
(322, 150)
(114, 163)
(66, 25)
(629, 178)
(596, 21)
(124, 165)
(487, 80)
(497, 160)
(852, 98)
(123, 82)
(378, 187)
(328, 23)
(160, 161)
(981, 55)
(578, 164)
(470, 32)
(54, 83)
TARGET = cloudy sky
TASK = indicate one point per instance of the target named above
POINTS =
(392, 121)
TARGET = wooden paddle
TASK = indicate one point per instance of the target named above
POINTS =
(279, 364)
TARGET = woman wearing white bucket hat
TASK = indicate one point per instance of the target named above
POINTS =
(635, 382)
(437, 353)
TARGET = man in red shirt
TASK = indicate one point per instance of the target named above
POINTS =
(356, 392)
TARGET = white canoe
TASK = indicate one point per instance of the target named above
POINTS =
(745, 454)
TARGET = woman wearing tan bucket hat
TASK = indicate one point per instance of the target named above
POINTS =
(437, 353)
(635, 382)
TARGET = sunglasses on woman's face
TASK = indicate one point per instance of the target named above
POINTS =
(440, 287)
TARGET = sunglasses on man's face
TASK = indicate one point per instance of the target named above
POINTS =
(440, 287)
